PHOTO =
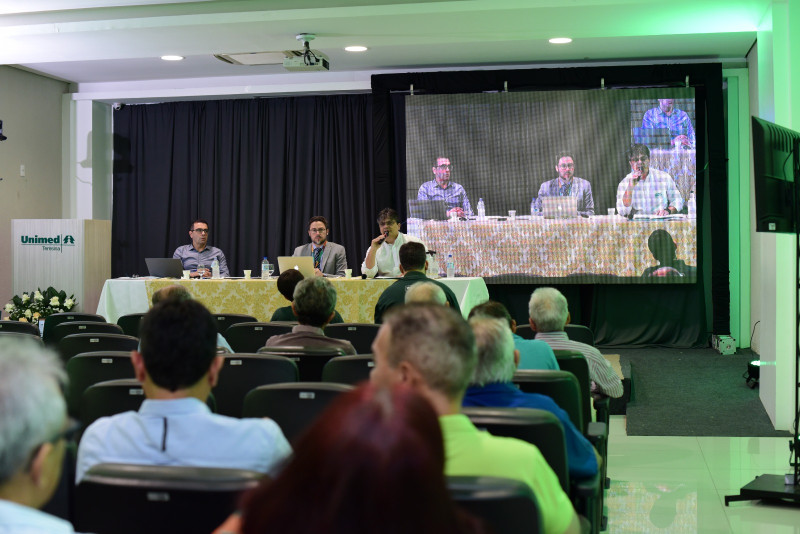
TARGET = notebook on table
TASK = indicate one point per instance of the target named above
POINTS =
(304, 264)
(559, 207)
(164, 267)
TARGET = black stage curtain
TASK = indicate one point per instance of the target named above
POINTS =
(255, 169)
(668, 315)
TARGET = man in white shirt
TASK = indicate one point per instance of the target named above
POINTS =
(383, 255)
(645, 190)
(33, 422)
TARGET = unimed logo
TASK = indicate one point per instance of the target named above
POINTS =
(49, 243)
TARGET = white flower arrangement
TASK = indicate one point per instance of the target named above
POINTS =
(43, 304)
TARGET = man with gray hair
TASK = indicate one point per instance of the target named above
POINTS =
(492, 386)
(431, 349)
(33, 417)
(426, 292)
(314, 305)
(548, 316)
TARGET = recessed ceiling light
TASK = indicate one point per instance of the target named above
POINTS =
(172, 58)
(355, 48)
(560, 40)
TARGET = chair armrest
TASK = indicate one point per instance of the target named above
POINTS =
(601, 407)
(597, 433)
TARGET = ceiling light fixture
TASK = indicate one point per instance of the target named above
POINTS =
(356, 48)
(560, 40)
(172, 58)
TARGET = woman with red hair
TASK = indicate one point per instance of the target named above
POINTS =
(372, 462)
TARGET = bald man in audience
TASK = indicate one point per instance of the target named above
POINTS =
(413, 266)
(431, 349)
(33, 433)
(423, 292)
(177, 367)
(492, 386)
(548, 317)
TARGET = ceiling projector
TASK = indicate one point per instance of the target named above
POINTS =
(305, 59)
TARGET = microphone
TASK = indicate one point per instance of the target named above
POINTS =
(385, 235)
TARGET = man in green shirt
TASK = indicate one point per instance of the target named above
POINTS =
(431, 348)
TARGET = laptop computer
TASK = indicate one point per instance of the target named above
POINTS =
(559, 207)
(304, 264)
(652, 137)
(164, 267)
(427, 209)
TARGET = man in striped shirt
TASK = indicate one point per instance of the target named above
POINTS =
(548, 316)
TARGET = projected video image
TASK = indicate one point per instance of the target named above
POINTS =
(558, 186)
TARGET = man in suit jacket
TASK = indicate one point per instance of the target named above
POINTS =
(329, 258)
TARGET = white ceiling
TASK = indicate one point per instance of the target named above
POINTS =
(96, 41)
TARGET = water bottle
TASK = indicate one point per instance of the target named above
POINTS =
(481, 210)
(451, 264)
(264, 269)
(215, 268)
(534, 207)
(691, 206)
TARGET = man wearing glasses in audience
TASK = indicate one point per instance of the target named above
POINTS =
(33, 433)
(645, 190)
(568, 185)
(200, 252)
(329, 258)
(441, 188)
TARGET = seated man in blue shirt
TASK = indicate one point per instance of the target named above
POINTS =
(568, 185)
(178, 366)
(533, 354)
(677, 121)
(441, 188)
(200, 253)
(491, 386)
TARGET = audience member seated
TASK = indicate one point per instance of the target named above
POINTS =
(178, 366)
(413, 266)
(33, 421)
(491, 386)
(373, 462)
(313, 304)
(548, 317)
(177, 291)
(287, 281)
(533, 354)
(432, 349)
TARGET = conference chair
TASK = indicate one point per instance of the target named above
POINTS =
(507, 506)
(130, 324)
(561, 386)
(293, 406)
(578, 332)
(131, 499)
(78, 343)
(19, 327)
(90, 368)
(243, 372)
(110, 398)
(22, 336)
(57, 318)
(310, 360)
(225, 320)
(249, 337)
(83, 327)
(348, 369)
(361, 335)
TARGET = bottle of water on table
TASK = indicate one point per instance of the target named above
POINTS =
(534, 207)
(481, 210)
(215, 268)
(264, 268)
(451, 264)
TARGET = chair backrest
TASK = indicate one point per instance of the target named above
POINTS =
(538, 427)
(507, 506)
(578, 332)
(130, 323)
(19, 327)
(561, 386)
(310, 360)
(525, 331)
(83, 327)
(292, 406)
(575, 363)
(123, 499)
(249, 337)
(90, 368)
(226, 320)
(361, 335)
(21, 335)
(56, 319)
(78, 343)
(244, 372)
(348, 369)
(109, 398)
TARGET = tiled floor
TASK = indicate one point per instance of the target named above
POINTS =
(678, 484)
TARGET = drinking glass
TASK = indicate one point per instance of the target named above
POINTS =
(270, 269)
(201, 269)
